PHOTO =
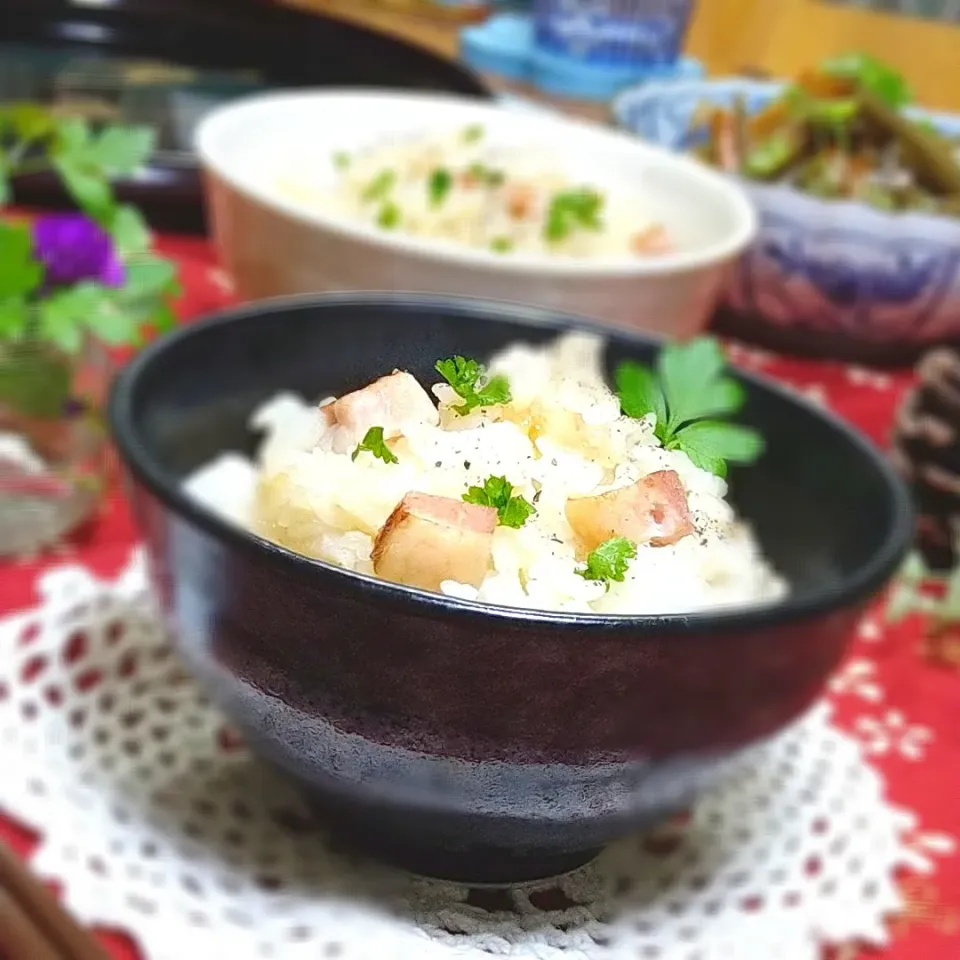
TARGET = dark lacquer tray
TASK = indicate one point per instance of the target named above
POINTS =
(166, 62)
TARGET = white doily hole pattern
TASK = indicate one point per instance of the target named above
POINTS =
(156, 820)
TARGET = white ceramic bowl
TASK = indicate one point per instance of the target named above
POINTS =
(272, 245)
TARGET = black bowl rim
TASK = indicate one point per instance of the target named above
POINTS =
(859, 586)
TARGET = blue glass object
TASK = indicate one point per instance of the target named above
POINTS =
(617, 33)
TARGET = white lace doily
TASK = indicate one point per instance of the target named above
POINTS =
(157, 821)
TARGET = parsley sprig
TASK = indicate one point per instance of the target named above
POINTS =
(498, 492)
(571, 210)
(374, 444)
(470, 382)
(439, 185)
(687, 392)
(380, 186)
(609, 562)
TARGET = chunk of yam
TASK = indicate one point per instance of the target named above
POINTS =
(429, 539)
(654, 510)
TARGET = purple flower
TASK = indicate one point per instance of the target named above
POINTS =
(73, 248)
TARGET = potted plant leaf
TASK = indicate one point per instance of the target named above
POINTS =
(73, 286)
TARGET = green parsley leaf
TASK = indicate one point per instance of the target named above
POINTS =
(89, 188)
(497, 492)
(129, 231)
(341, 160)
(60, 321)
(439, 185)
(710, 444)
(73, 136)
(691, 375)
(86, 161)
(469, 380)
(389, 216)
(571, 210)
(19, 273)
(109, 320)
(67, 314)
(609, 562)
(374, 443)
(121, 151)
(501, 245)
(686, 394)
(640, 394)
(473, 133)
(148, 276)
(379, 186)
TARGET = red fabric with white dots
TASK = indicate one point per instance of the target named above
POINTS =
(899, 693)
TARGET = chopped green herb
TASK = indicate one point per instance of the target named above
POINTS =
(469, 380)
(571, 210)
(770, 156)
(438, 186)
(473, 133)
(341, 160)
(870, 74)
(380, 185)
(686, 393)
(498, 492)
(609, 562)
(488, 176)
(501, 245)
(374, 443)
(389, 216)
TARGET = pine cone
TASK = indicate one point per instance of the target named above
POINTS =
(927, 453)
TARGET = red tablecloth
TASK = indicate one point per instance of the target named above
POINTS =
(899, 693)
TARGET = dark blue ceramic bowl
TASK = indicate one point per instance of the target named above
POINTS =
(458, 739)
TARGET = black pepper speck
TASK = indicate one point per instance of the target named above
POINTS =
(466, 464)
(439, 463)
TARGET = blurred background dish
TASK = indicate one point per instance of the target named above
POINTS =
(274, 242)
(166, 63)
(843, 276)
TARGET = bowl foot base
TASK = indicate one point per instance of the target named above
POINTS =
(415, 851)
(478, 866)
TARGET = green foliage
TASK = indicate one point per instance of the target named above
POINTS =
(688, 392)
(32, 139)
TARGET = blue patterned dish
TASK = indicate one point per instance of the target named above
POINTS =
(826, 275)
(613, 33)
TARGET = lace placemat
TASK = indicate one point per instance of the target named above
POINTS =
(156, 820)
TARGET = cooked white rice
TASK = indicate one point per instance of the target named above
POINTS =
(561, 436)
(460, 188)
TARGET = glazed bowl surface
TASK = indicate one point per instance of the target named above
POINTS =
(274, 243)
(456, 738)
